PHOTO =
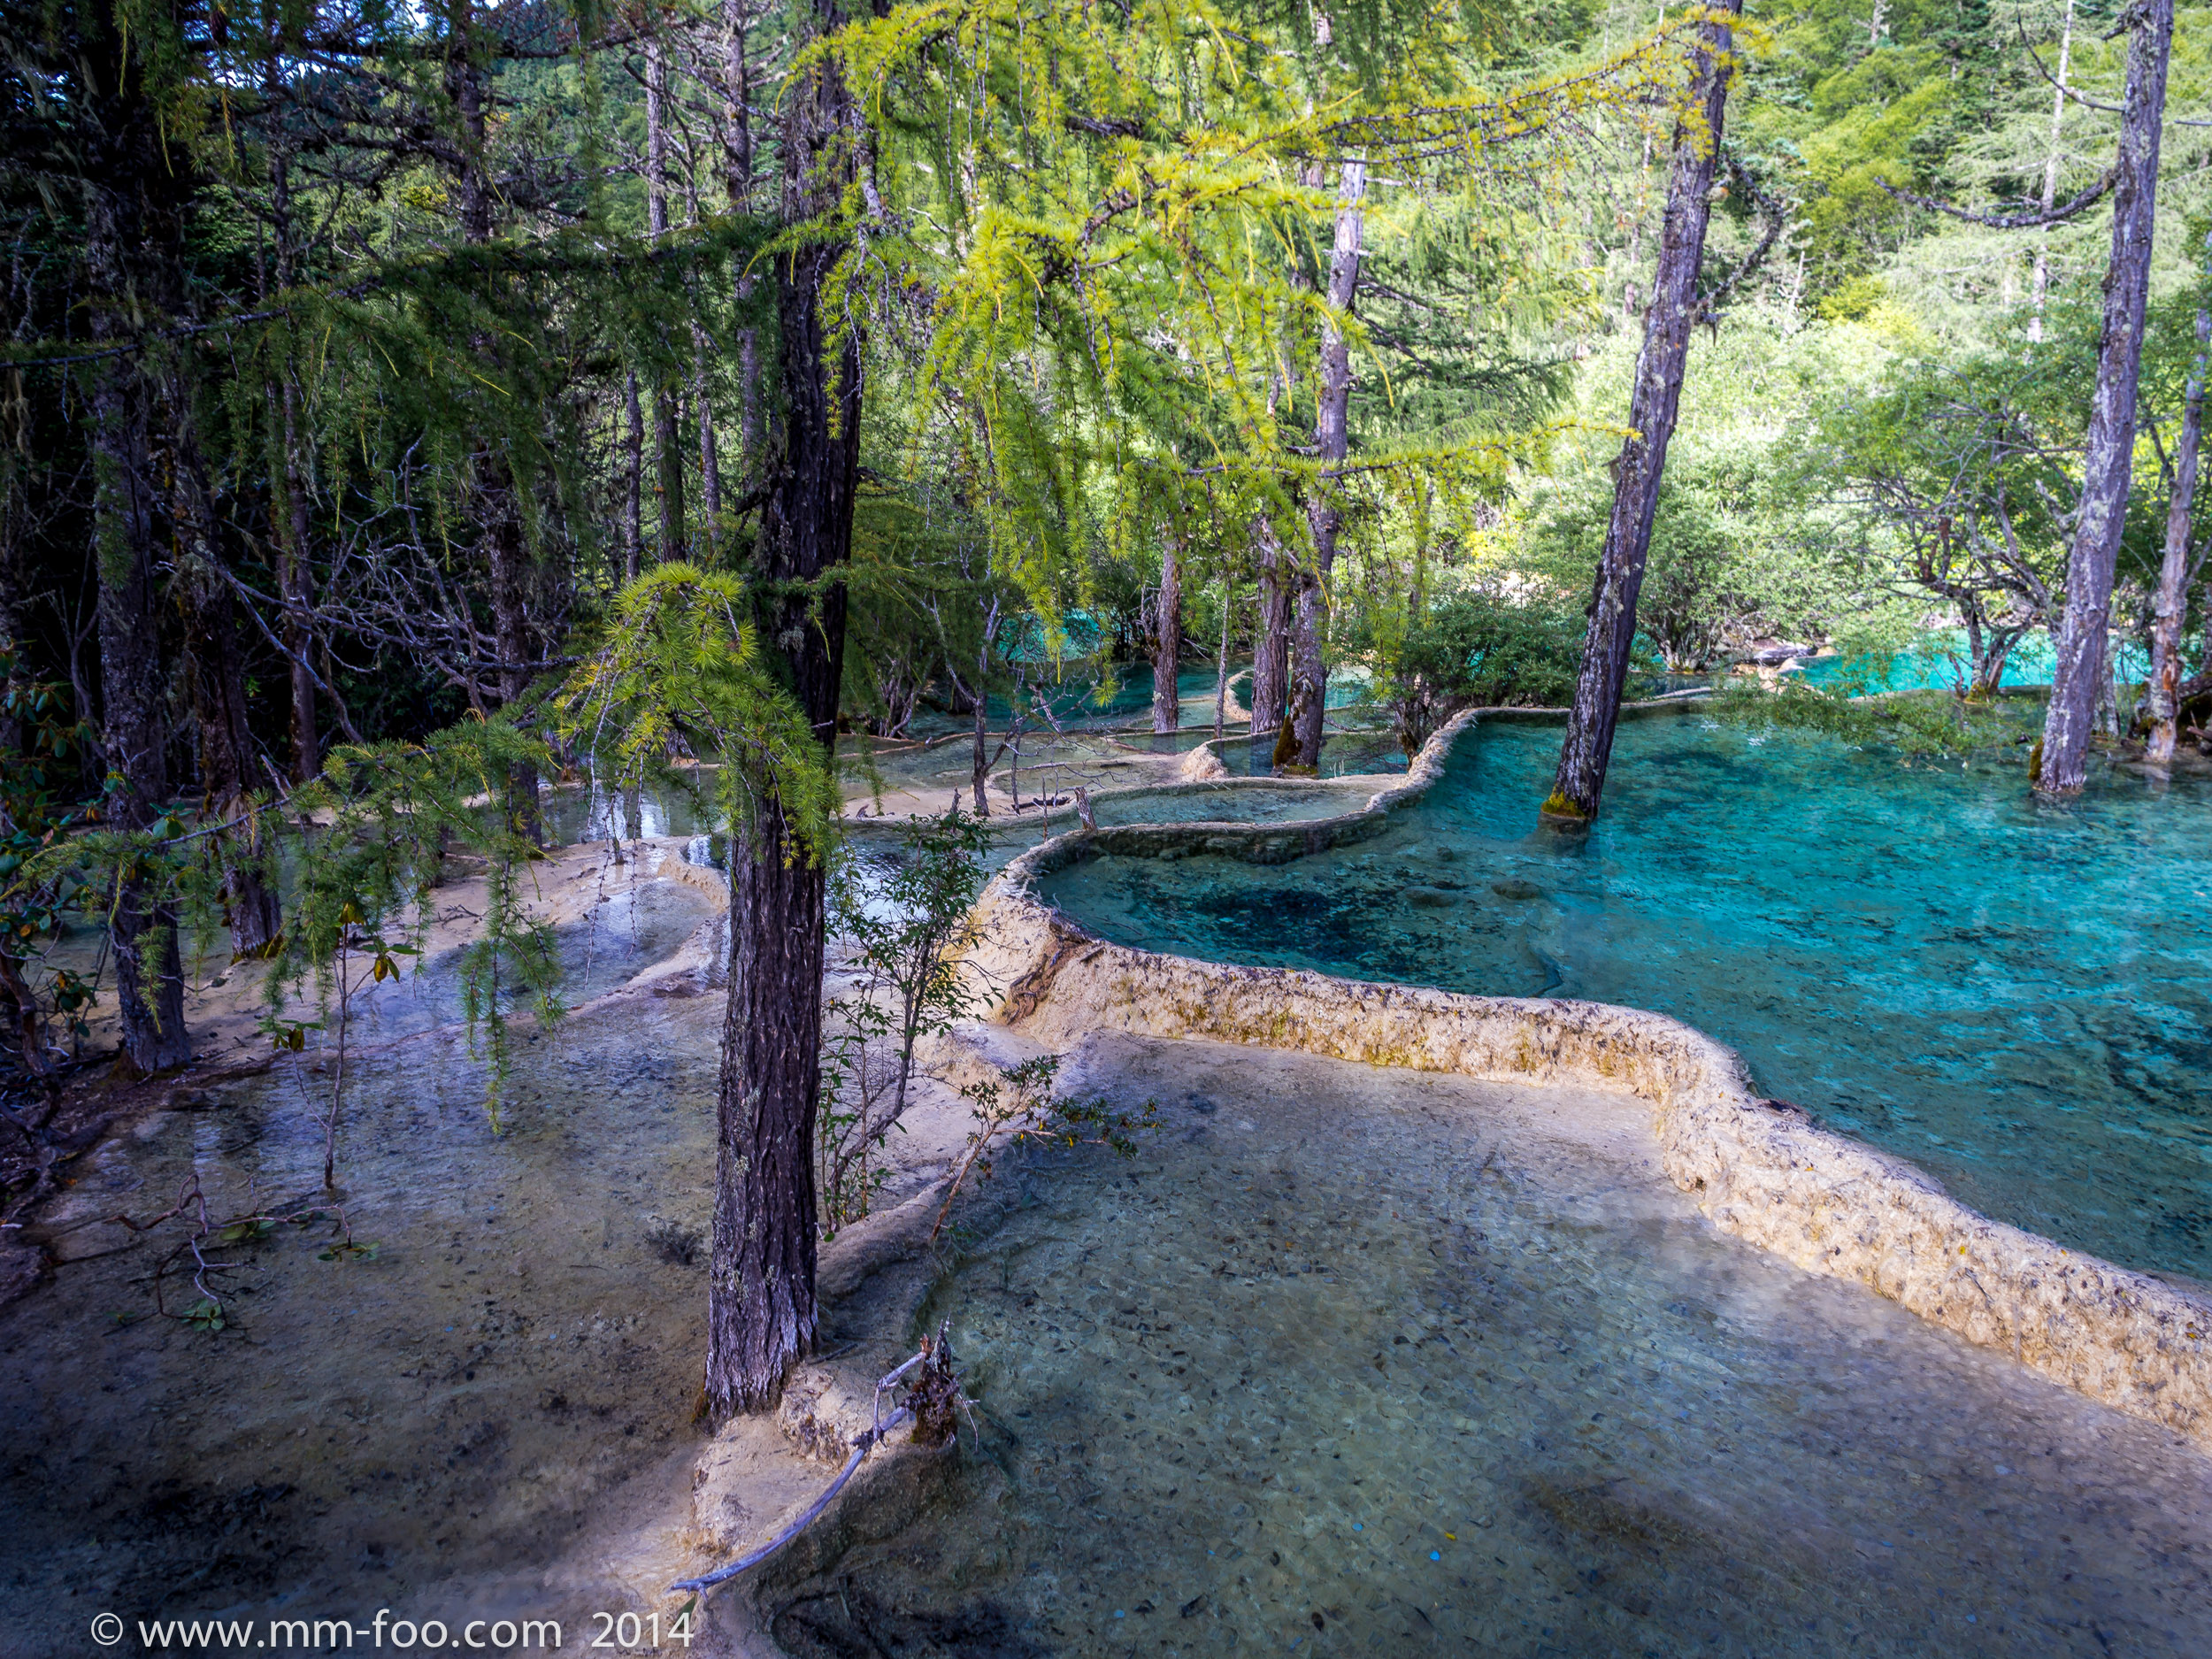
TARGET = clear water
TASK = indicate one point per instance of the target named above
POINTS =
(2017, 996)
(1938, 661)
(1351, 1360)
(1343, 754)
(486, 1415)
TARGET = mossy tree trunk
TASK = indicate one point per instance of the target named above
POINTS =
(1587, 749)
(134, 728)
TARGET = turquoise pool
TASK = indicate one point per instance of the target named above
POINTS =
(2017, 996)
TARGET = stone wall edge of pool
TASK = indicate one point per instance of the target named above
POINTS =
(1759, 1170)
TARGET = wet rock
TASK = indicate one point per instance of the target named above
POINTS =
(21, 1272)
(1767, 653)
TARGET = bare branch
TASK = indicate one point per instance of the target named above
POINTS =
(2088, 198)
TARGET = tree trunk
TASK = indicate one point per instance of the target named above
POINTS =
(288, 471)
(2107, 453)
(1668, 320)
(135, 187)
(1270, 649)
(1309, 698)
(710, 456)
(737, 173)
(1167, 643)
(668, 472)
(15, 683)
(513, 636)
(216, 678)
(148, 976)
(633, 479)
(980, 757)
(295, 578)
(1221, 657)
(506, 548)
(761, 1314)
(2175, 569)
(668, 453)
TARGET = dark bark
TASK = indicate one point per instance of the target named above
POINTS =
(1271, 653)
(979, 756)
(633, 479)
(216, 678)
(149, 979)
(1669, 318)
(16, 681)
(507, 556)
(668, 450)
(288, 470)
(710, 455)
(761, 1314)
(2176, 567)
(2107, 453)
(668, 472)
(1221, 661)
(506, 548)
(1308, 696)
(737, 178)
(134, 190)
(294, 579)
(1167, 643)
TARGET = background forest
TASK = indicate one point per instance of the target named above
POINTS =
(408, 407)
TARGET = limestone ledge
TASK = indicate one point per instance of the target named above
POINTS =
(1759, 1170)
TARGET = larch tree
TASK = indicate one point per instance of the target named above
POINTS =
(2061, 761)
(1673, 312)
(762, 1314)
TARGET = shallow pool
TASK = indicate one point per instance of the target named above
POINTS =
(1351, 1360)
(481, 1409)
(2017, 996)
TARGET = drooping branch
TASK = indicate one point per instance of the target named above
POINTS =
(1776, 215)
(2087, 199)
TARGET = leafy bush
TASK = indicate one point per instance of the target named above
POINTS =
(1931, 723)
(1474, 650)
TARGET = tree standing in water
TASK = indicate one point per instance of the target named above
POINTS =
(1674, 311)
(2061, 762)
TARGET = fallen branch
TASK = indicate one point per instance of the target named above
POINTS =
(866, 1442)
